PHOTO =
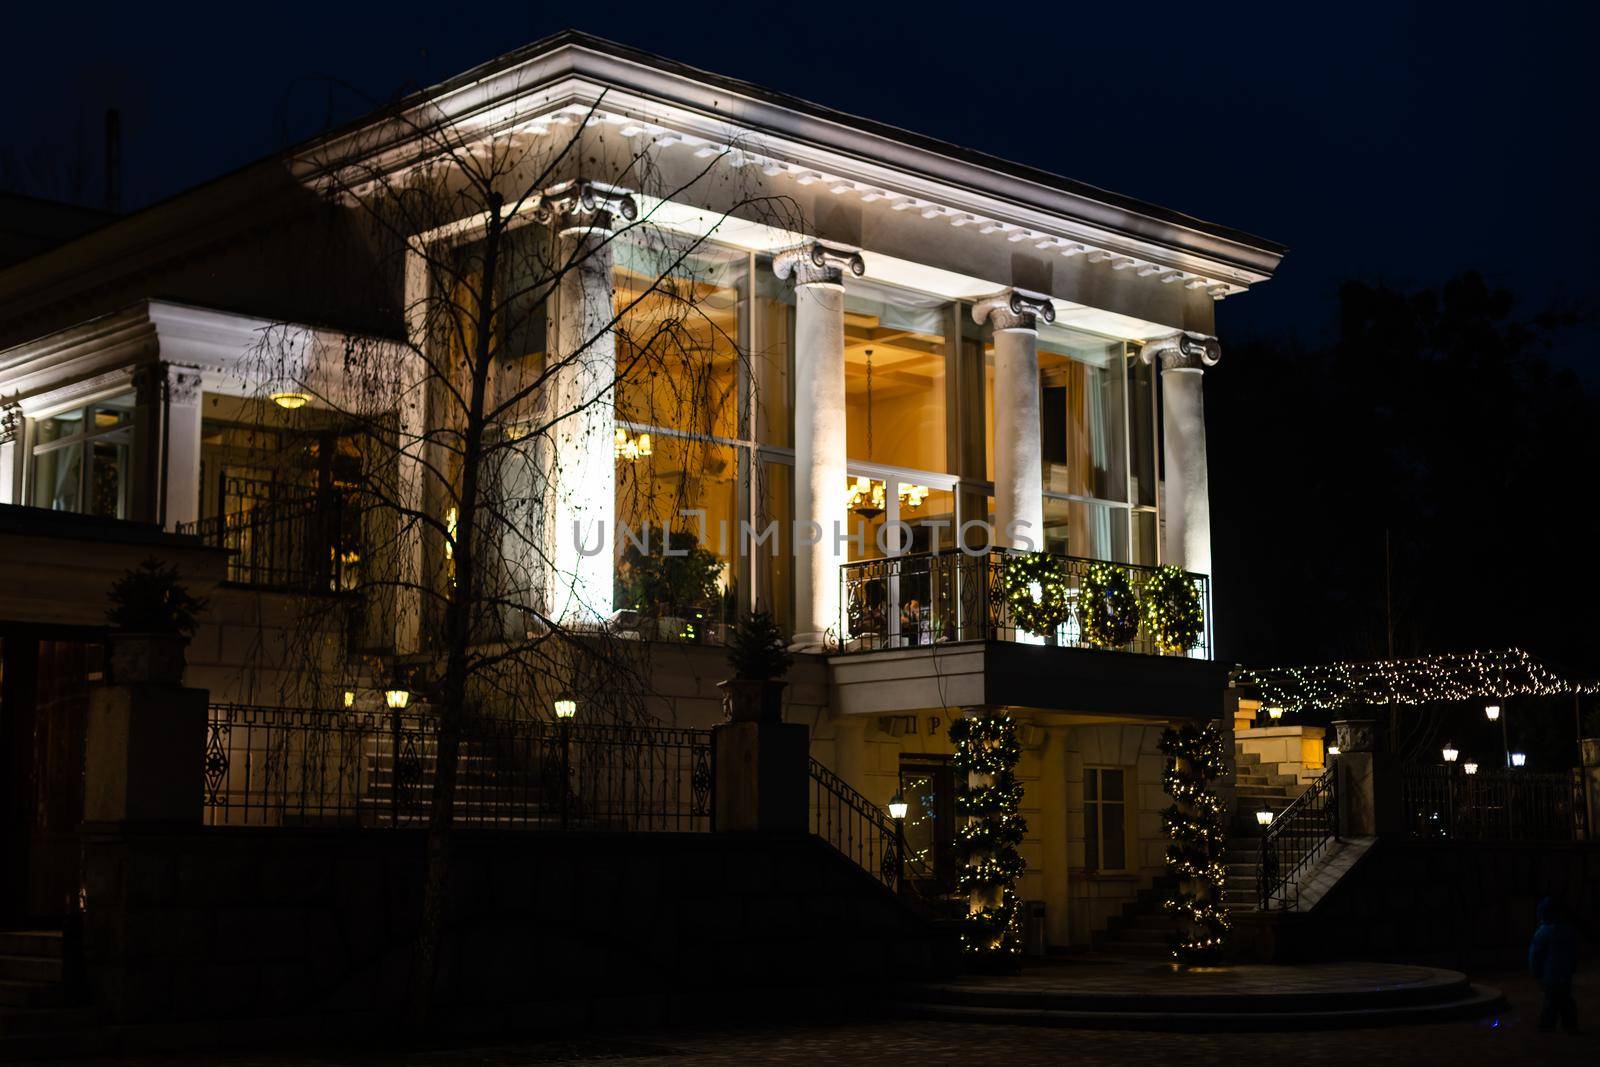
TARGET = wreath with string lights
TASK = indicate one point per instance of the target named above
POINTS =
(1173, 615)
(1108, 614)
(1040, 613)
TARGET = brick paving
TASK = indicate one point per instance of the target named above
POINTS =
(1510, 1037)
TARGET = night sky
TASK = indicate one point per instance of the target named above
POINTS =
(1390, 142)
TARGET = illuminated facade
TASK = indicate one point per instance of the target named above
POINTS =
(940, 353)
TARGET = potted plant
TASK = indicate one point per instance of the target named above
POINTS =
(152, 617)
(759, 659)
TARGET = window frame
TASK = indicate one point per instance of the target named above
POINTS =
(1096, 809)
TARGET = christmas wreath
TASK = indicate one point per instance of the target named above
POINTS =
(1108, 615)
(1036, 593)
(1173, 616)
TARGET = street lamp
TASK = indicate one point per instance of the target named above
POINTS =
(1333, 750)
(397, 699)
(1469, 767)
(1493, 712)
(566, 707)
(349, 698)
(1450, 752)
(897, 812)
(1519, 759)
(1264, 818)
(1274, 713)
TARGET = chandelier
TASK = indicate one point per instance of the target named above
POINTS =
(627, 447)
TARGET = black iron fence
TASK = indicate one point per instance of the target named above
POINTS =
(1297, 836)
(1446, 803)
(928, 598)
(855, 826)
(314, 767)
(283, 537)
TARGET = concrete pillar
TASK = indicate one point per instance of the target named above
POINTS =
(763, 772)
(819, 431)
(145, 755)
(180, 477)
(581, 472)
(1369, 782)
(404, 599)
(1187, 505)
(1018, 464)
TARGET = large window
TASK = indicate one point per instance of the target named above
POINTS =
(894, 377)
(82, 459)
(1105, 819)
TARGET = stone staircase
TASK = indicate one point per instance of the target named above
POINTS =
(1258, 785)
(37, 1015)
(1142, 929)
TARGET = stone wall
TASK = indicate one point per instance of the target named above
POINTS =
(1468, 903)
(569, 928)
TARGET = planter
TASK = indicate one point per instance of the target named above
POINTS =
(753, 700)
(147, 658)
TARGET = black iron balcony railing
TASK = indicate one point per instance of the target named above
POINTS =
(280, 767)
(930, 598)
(1501, 804)
(284, 539)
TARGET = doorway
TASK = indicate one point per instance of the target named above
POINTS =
(45, 680)
(928, 786)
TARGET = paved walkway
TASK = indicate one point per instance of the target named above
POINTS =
(1104, 975)
(1509, 1038)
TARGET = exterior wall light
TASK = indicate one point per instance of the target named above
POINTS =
(1333, 750)
(1493, 712)
(397, 698)
(1264, 818)
(565, 707)
(1450, 752)
(1469, 767)
(897, 807)
(289, 399)
(1519, 759)
(1274, 714)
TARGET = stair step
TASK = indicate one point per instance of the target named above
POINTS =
(31, 994)
(30, 969)
(44, 943)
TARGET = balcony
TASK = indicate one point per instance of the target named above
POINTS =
(926, 631)
(306, 542)
(931, 599)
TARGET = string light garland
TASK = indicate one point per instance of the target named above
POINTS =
(1037, 596)
(1196, 826)
(1443, 678)
(986, 749)
(1108, 614)
(1173, 615)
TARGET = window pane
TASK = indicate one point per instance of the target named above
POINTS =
(1091, 784)
(771, 356)
(1141, 434)
(1146, 549)
(931, 514)
(652, 489)
(58, 427)
(894, 375)
(1092, 531)
(678, 346)
(1114, 842)
(774, 559)
(57, 475)
(108, 479)
(1111, 785)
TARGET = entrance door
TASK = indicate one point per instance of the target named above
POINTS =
(928, 786)
(44, 703)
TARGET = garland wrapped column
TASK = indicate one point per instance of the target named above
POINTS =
(1196, 826)
(986, 846)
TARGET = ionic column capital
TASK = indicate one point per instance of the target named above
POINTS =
(818, 263)
(1014, 309)
(581, 208)
(1183, 351)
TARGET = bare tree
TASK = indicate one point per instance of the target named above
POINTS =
(485, 454)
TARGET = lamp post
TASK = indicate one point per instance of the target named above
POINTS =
(1274, 713)
(1519, 759)
(1266, 875)
(1493, 714)
(1451, 753)
(897, 812)
(565, 708)
(396, 699)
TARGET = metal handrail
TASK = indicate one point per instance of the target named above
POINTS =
(1495, 804)
(935, 598)
(856, 827)
(1296, 836)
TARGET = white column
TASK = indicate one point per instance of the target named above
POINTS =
(404, 599)
(11, 448)
(582, 473)
(180, 460)
(1018, 467)
(1187, 504)
(819, 431)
